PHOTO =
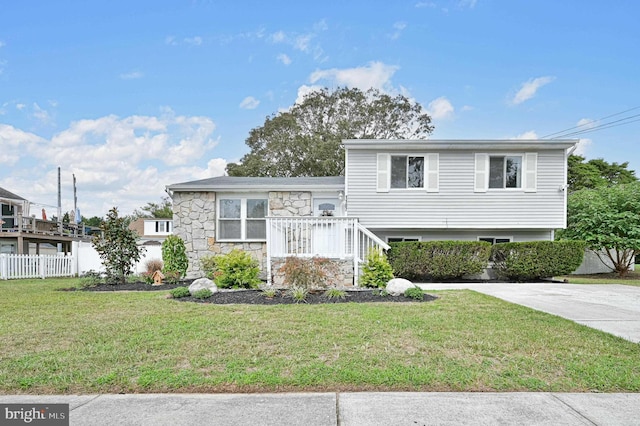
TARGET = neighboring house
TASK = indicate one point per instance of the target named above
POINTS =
(22, 233)
(393, 190)
(152, 231)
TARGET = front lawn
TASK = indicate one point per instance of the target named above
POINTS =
(88, 342)
(632, 278)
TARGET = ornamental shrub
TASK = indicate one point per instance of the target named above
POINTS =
(179, 292)
(203, 293)
(438, 260)
(237, 269)
(535, 260)
(377, 271)
(414, 293)
(308, 273)
(174, 255)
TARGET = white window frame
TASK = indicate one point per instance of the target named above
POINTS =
(430, 177)
(528, 172)
(504, 172)
(243, 216)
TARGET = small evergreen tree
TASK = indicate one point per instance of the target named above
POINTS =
(377, 271)
(117, 246)
(174, 255)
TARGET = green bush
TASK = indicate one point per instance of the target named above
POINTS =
(174, 255)
(335, 294)
(536, 259)
(414, 293)
(179, 292)
(377, 271)
(202, 293)
(438, 260)
(238, 269)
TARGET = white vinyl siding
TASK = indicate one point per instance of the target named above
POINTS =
(463, 200)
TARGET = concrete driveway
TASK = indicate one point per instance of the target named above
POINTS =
(611, 308)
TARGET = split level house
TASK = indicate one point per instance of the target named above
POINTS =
(392, 190)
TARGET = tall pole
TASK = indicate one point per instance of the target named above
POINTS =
(59, 203)
(75, 201)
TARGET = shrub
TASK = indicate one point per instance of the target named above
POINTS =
(238, 269)
(536, 259)
(174, 255)
(179, 292)
(309, 273)
(171, 277)
(269, 292)
(117, 247)
(438, 260)
(203, 293)
(414, 293)
(377, 271)
(335, 293)
(151, 266)
(298, 294)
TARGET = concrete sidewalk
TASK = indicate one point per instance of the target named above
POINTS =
(611, 308)
(347, 409)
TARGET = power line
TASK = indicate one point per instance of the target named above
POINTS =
(561, 133)
(615, 123)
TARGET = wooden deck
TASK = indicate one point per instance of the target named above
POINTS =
(38, 231)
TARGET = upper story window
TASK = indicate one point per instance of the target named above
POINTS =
(407, 171)
(242, 219)
(508, 171)
(163, 226)
(505, 171)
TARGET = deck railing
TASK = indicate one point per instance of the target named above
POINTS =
(330, 237)
(18, 266)
(31, 225)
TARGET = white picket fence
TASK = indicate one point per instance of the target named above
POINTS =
(17, 266)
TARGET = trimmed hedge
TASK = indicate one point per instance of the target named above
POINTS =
(438, 260)
(534, 260)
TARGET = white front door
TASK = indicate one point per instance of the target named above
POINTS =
(327, 241)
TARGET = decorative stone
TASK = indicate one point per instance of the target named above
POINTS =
(202, 283)
(397, 286)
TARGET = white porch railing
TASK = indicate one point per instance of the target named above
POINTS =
(18, 266)
(330, 237)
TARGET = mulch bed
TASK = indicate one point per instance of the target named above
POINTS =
(257, 297)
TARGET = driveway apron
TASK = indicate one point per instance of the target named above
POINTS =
(612, 308)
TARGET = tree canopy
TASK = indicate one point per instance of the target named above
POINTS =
(597, 173)
(608, 220)
(164, 210)
(307, 139)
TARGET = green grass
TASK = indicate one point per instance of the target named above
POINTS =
(632, 278)
(87, 342)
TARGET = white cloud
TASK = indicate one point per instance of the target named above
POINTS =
(20, 107)
(398, 28)
(529, 88)
(133, 75)
(302, 42)
(440, 108)
(375, 75)
(284, 59)
(41, 115)
(529, 135)
(467, 3)
(193, 41)
(2, 44)
(430, 4)
(249, 103)
(583, 146)
(278, 37)
(171, 41)
(17, 143)
(586, 123)
(467, 108)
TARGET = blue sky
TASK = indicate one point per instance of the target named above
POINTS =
(131, 96)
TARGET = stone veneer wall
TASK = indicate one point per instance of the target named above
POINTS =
(194, 220)
(344, 277)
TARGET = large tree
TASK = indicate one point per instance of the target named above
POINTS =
(164, 210)
(608, 219)
(307, 139)
(596, 173)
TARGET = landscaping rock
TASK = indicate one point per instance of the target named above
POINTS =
(202, 283)
(397, 286)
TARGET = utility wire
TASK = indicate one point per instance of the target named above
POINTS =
(615, 123)
(561, 133)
